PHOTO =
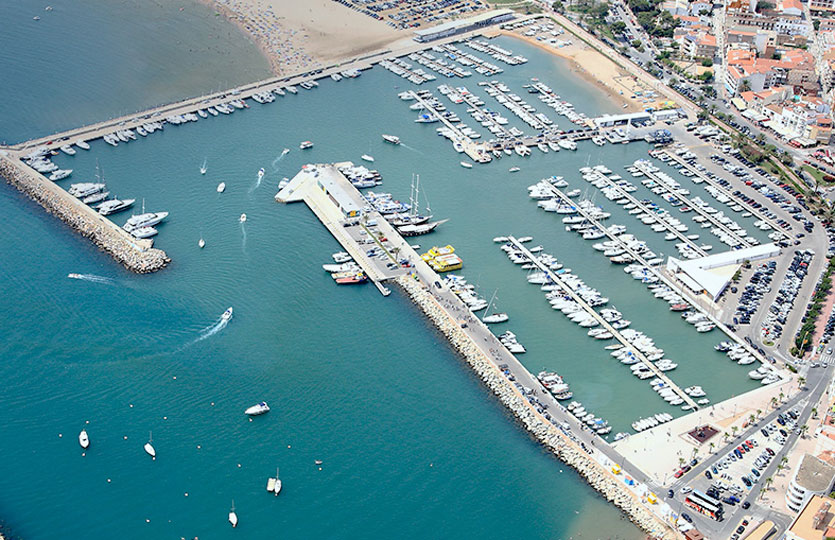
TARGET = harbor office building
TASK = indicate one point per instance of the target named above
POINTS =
(463, 25)
(711, 275)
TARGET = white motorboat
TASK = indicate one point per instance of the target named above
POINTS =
(201, 243)
(514, 169)
(393, 139)
(83, 439)
(495, 318)
(60, 174)
(341, 257)
(466, 164)
(261, 173)
(82, 144)
(149, 448)
(258, 409)
(203, 167)
(368, 158)
(221, 187)
(344, 267)
(242, 219)
(144, 232)
(227, 314)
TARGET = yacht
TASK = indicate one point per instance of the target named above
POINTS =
(83, 440)
(82, 144)
(115, 205)
(95, 197)
(67, 149)
(368, 158)
(60, 174)
(258, 409)
(84, 189)
(227, 314)
(144, 232)
(344, 267)
(391, 139)
(305, 145)
(495, 318)
(148, 219)
(221, 187)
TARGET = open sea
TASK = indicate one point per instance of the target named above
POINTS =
(412, 444)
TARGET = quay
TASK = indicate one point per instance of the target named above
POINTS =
(740, 240)
(136, 255)
(661, 274)
(554, 277)
(339, 206)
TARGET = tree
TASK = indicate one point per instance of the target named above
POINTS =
(759, 413)
(800, 382)
(673, 81)
(618, 27)
(763, 5)
(746, 85)
(712, 447)
(774, 402)
(752, 419)
(782, 397)
(816, 24)
(636, 43)
(707, 62)
(814, 412)
(803, 430)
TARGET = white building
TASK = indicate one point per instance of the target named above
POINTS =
(812, 477)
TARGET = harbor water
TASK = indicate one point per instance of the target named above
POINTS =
(410, 441)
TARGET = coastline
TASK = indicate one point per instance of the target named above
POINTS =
(305, 36)
(602, 74)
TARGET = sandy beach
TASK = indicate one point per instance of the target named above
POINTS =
(296, 36)
(594, 67)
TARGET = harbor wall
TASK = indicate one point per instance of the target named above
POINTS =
(599, 477)
(136, 255)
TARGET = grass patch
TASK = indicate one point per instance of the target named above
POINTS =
(817, 174)
(768, 343)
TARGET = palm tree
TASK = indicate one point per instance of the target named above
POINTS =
(780, 468)
(751, 419)
(774, 402)
(814, 412)
(759, 413)
(734, 429)
(745, 86)
(800, 382)
(680, 461)
(712, 446)
(803, 429)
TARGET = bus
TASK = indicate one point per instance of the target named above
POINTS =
(704, 504)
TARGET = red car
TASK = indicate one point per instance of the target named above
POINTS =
(678, 473)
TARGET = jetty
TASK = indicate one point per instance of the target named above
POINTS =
(555, 278)
(662, 275)
(473, 150)
(137, 255)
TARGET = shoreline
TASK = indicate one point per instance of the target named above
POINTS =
(596, 79)
(593, 472)
(104, 233)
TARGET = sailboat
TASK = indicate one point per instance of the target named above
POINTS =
(233, 517)
(149, 448)
(495, 317)
(412, 217)
(203, 167)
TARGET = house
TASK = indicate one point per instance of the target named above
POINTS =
(700, 45)
(697, 7)
(675, 7)
(822, 6)
(792, 8)
(687, 20)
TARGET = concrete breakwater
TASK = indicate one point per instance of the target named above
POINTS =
(136, 255)
(541, 429)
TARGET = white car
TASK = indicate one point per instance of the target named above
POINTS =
(686, 489)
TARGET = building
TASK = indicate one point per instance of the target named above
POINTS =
(822, 6)
(711, 275)
(463, 25)
(812, 477)
(699, 45)
(609, 120)
(791, 8)
(815, 522)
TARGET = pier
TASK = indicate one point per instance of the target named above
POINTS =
(733, 235)
(472, 149)
(638, 204)
(662, 276)
(135, 254)
(554, 277)
(721, 189)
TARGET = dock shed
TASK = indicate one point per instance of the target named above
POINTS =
(463, 25)
(337, 195)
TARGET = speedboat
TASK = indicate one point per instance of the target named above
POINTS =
(391, 139)
(261, 173)
(366, 157)
(466, 164)
(60, 174)
(257, 409)
(144, 232)
(83, 440)
(514, 169)
(226, 314)
(305, 145)
(242, 218)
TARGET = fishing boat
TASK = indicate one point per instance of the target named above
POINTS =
(221, 187)
(83, 440)
(258, 409)
(393, 139)
(233, 517)
(149, 448)
(227, 314)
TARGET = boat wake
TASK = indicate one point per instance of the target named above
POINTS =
(243, 236)
(415, 150)
(279, 158)
(208, 332)
(93, 278)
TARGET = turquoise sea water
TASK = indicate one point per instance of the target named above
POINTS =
(412, 443)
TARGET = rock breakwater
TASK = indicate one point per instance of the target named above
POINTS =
(136, 255)
(612, 488)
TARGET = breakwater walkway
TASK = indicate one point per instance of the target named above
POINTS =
(335, 201)
(136, 255)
